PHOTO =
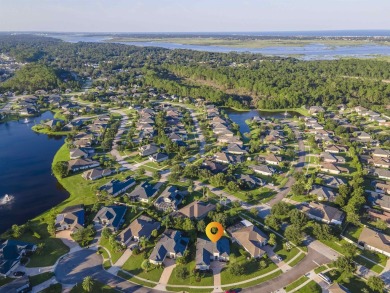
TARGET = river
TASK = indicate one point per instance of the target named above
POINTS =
(239, 117)
(312, 51)
(25, 164)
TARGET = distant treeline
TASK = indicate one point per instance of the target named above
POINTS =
(230, 79)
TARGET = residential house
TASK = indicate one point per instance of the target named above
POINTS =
(148, 150)
(251, 238)
(77, 154)
(227, 158)
(382, 173)
(323, 193)
(158, 157)
(332, 168)
(96, 173)
(140, 227)
(111, 217)
(334, 149)
(207, 251)
(382, 187)
(331, 158)
(382, 201)
(380, 162)
(249, 181)
(196, 210)
(375, 215)
(331, 181)
(172, 244)
(374, 240)
(116, 187)
(272, 159)
(143, 192)
(82, 164)
(72, 218)
(324, 213)
(11, 251)
(314, 110)
(170, 199)
(378, 152)
(214, 167)
(263, 170)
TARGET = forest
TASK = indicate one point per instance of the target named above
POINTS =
(239, 80)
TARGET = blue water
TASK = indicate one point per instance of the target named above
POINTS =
(314, 51)
(239, 117)
(25, 164)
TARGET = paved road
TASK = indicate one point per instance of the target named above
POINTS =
(73, 268)
(311, 261)
(300, 164)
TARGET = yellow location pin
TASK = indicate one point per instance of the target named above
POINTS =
(214, 237)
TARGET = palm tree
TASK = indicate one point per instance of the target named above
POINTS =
(87, 284)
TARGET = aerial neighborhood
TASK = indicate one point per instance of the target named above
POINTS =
(303, 195)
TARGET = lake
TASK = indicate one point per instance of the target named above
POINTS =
(25, 164)
(239, 117)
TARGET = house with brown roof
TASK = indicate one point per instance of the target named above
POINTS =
(263, 170)
(251, 238)
(374, 240)
(334, 149)
(324, 213)
(196, 210)
(71, 218)
(82, 164)
(140, 227)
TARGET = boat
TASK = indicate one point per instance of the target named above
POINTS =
(6, 199)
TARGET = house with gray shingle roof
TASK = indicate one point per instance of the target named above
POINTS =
(172, 244)
(72, 218)
(111, 217)
(11, 251)
(116, 187)
(143, 192)
(207, 251)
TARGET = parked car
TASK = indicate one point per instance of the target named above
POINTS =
(279, 258)
(19, 274)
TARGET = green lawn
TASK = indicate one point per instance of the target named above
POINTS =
(311, 287)
(258, 281)
(354, 283)
(131, 279)
(320, 269)
(285, 254)
(186, 289)
(39, 279)
(297, 260)
(206, 278)
(55, 288)
(251, 268)
(5, 280)
(353, 232)
(296, 283)
(133, 266)
(115, 255)
(45, 130)
(97, 287)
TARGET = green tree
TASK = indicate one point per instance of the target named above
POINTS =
(182, 272)
(376, 283)
(272, 222)
(345, 265)
(350, 250)
(294, 234)
(201, 226)
(60, 168)
(88, 284)
(236, 269)
(154, 233)
(17, 231)
(297, 218)
(272, 239)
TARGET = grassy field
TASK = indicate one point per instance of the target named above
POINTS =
(115, 255)
(245, 43)
(251, 268)
(186, 289)
(135, 280)
(133, 266)
(354, 283)
(285, 254)
(311, 287)
(296, 283)
(5, 280)
(206, 278)
(55, 288)
(45, 130)
(39, 279)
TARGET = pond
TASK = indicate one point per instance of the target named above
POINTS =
(25, 164)
(240, 117)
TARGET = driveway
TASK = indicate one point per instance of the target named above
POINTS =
(73, 268)
(169, 265)
(311, 261)
(67, 239)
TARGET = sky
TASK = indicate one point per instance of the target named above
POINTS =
(192, 15)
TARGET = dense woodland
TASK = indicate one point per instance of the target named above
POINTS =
(229, 79)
